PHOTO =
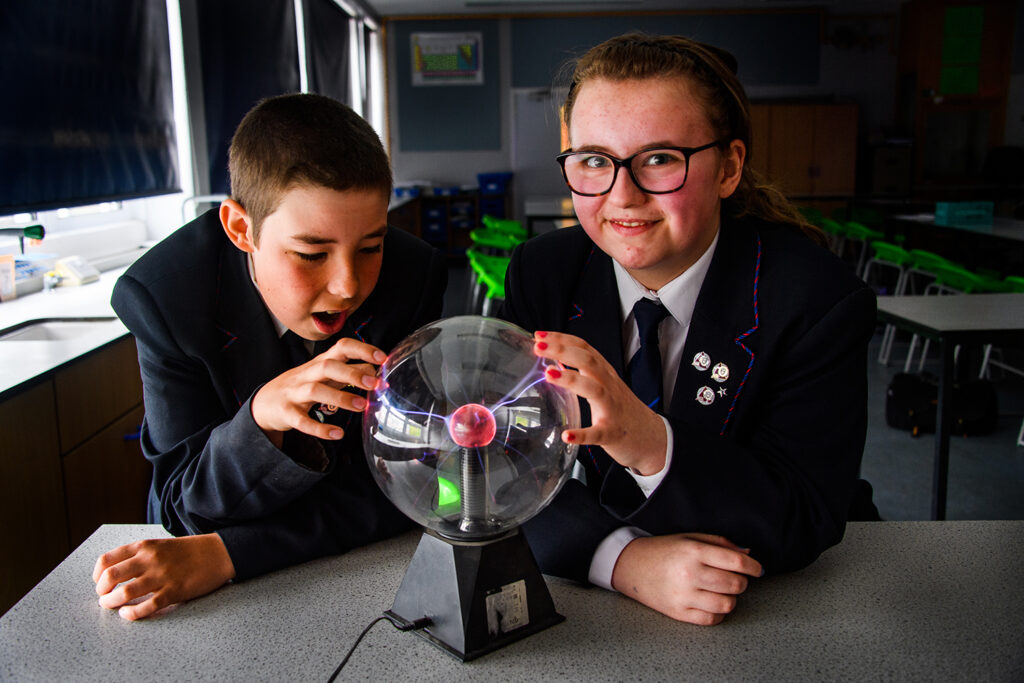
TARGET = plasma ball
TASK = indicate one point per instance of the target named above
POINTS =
(472, 426)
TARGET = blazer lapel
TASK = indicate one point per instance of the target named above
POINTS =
(721, 346)
(252, 350)
(594, 309)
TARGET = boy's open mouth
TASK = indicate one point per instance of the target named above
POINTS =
(329, 322)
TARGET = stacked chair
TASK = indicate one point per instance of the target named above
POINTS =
(488, 260)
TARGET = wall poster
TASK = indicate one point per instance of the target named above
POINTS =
(447, 58)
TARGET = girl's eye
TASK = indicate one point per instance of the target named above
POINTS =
(311, 257)
(376, 249)
(594, 161)
(661, 159)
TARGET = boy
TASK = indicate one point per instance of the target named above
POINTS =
(255, 449)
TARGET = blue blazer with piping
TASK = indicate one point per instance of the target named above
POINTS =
(206, 344)
(772, 462)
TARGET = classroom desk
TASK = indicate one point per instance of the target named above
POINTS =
(906, 601)
(547, 209)
(999, 247)
(952, 320)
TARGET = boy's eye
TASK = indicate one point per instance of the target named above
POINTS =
(319, 256)
(375, 249)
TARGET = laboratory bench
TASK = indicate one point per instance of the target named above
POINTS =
(906, 601)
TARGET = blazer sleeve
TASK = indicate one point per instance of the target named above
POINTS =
(784, 489)
(215, 470)
(211, 467)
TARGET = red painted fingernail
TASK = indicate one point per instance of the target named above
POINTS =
(542, 345)
(542, 334)
(569, 436)
(553, 373)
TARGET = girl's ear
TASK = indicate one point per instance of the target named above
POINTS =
(237, 225)
(732, 168)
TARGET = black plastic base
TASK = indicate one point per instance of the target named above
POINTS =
(480, 596)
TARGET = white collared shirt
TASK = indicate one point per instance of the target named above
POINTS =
(679, 296)
(279, 326)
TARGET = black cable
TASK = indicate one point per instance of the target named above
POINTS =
(396, 621)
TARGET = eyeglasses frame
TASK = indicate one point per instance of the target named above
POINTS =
(627, 163)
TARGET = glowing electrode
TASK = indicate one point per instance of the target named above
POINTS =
(472, 426)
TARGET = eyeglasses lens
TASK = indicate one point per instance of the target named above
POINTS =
(654, 170)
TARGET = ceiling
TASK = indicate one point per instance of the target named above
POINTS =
(396, 8)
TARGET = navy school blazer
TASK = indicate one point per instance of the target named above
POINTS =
(772, 461)
(206, 344)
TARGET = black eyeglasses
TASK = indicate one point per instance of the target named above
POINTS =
(659, 170)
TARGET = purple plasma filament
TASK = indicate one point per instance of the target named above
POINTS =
(472, 426)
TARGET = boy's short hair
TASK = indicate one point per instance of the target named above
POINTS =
(302, 140)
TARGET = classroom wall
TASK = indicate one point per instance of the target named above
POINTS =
(445, 134)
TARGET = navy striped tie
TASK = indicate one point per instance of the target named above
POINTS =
(644, 369)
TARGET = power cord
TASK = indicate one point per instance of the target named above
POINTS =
(398, 622)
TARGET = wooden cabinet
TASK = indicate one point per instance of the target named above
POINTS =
(106, 479)
(807, 149)
(70, 462)
(33, 527)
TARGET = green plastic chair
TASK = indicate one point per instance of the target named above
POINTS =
(951, 278)
(487, 281)
(923, 263)
(1014, 283)
(858, 232)
(493, 242)
(507, 226)
(812, 215)
(835, 232)
(888, 255)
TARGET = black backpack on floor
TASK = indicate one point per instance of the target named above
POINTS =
(911, 403)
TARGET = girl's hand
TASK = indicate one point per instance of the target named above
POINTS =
(142, 578)
(630, 432)
(695, 578)
(283, 403)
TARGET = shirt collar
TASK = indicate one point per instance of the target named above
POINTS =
(679, 295)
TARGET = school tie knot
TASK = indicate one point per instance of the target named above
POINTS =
(296, 346)
(645, 366)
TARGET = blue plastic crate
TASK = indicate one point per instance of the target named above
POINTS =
(493, 183)
(492, 207)
(433, 213)
(971, 215)
(445, 191)
(435, 231)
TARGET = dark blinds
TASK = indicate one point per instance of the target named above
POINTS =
(327, 56)
(248, 52)
(87, 113)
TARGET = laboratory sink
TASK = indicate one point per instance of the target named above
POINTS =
(55, 329)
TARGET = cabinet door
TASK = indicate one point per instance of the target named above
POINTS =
(33, 532)
(106, 479)
(834, 162)
(761, 137)
(97, 390)
(791, 148)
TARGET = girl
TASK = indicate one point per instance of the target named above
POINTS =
(720, 349)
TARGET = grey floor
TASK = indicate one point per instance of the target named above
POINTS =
(986, 473)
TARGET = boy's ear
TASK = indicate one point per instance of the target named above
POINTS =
(237, 225)
(732, 167)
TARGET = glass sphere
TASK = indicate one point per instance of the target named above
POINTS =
(463, 433)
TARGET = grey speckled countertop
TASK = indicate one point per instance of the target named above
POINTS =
(901, 601)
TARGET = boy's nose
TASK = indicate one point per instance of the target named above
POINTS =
(344, 283)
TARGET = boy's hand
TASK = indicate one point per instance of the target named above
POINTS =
(631, 433)
(690, 577)
(162, 572)
(283, 403)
